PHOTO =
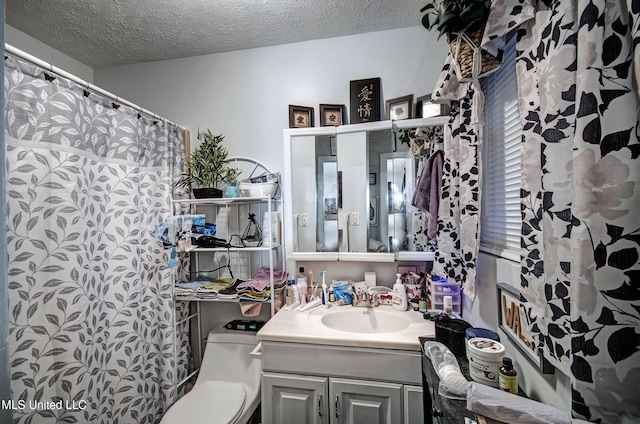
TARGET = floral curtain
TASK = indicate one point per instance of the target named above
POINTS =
(458, 235)
(90, 297)
(578, 65)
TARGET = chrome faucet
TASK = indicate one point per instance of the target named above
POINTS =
(362, 298)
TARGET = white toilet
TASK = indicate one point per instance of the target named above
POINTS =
(227, 389)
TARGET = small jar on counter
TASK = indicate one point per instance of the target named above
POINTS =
(508, 377)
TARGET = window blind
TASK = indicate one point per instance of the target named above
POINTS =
(501, 220)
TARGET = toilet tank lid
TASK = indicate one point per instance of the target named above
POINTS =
(222, 335)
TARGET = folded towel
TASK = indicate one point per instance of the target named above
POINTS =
(231, 291)
(190, 288)
(216, 285)
(266, 297)
(262, 280)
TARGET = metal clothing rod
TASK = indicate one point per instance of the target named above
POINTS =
(45, 65)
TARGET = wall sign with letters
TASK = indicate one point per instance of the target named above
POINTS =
(512, 320)
(366, 100)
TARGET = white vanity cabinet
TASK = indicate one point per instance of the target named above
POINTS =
(355, 401)
(333, 384)
(293, 399)
(296, 399)
(413, 404)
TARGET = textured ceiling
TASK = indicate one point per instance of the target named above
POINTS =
(102, 33)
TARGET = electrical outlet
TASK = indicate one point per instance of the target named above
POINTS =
(355, 218)
(304, 219)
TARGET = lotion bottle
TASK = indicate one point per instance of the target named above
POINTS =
(296, 293)
(399, 297)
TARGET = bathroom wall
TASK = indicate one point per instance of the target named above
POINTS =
(245, 94)
(26, 43)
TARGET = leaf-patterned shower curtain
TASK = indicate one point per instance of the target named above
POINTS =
(578, 64)
(90, 296)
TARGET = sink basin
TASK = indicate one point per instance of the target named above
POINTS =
(365, 320)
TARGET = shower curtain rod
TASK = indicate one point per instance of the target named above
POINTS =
(48, 66)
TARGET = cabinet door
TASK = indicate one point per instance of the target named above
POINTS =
(294, 399)
(413, 405)
(363, 195)
(352, 199)
(311, 192)
(356, 402)
(409, 224)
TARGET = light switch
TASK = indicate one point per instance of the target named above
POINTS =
(304, 219)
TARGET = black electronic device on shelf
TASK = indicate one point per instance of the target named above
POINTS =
(244, 325)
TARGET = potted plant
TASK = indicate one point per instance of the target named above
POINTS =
(207, 167)
(231, 182)
(463, 21)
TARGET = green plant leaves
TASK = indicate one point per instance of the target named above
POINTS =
(452, 16)
(207, 166)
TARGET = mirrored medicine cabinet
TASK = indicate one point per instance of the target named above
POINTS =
(347, 193)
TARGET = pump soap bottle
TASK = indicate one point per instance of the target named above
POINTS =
(399, 297)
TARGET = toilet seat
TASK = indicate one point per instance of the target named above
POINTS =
(211, 402)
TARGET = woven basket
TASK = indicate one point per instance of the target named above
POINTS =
(465, 54)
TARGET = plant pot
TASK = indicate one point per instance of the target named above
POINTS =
(205, 193)
(231, 190)
(463, 54)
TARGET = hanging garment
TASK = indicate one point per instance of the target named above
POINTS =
(427, 193)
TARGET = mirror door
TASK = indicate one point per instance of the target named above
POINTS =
(311, 209)
(363, 235)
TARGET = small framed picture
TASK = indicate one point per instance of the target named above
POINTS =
(300, 116)
(332, 115)
(426, 109)
(400, 108)
(365, 100)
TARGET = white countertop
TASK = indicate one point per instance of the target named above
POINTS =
(308, 327)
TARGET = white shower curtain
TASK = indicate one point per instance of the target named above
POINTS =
(90, 296)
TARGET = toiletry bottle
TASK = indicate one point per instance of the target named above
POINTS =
(508, 377)
(302, 285)
(399, 297)
(296, 293)
(289, 296)
(422, 304)
(447, 304)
